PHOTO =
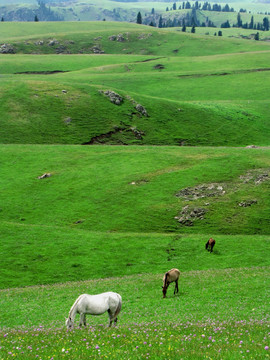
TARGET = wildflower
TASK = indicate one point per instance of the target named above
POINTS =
(97, 347)
(266, 347)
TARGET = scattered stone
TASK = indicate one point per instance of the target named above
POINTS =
(139, 182)
(113, 38)
(113, 96)
(252, 147)
(40, 42)
(120, 38)
(68, 120)
(188, 215)
(61, 49)
(261, 178)
(45, 175)
(201, 191)
(144, 36)
(247, 203)
(138, 133)
(53, 42)
(258, 176)
(141, 110)
(97, 50)
(64, 91)
(7, 49)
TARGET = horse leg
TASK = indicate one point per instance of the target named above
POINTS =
(110, 317)
(82, 319)
(176, 286)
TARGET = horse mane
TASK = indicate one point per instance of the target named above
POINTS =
(165, 278)
(75, 303)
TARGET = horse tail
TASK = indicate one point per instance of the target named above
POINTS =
(206, 245)
(119, 306)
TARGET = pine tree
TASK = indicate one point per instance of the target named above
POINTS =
(36, 18)
(193, 29)
(251, 24)
(257, 36)
(265, 24)
(139, 18)
(160, 22)
(239, 21)
(184, 26)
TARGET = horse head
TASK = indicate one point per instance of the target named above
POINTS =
(164, 290)
(69, 323)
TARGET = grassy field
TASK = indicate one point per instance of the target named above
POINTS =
(180, 79)
(115, 218)
(108, 195)
(219, 314)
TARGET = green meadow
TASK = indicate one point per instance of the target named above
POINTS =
(180, 79)
(110, 217)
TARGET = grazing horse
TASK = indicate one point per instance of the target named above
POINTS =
(210, 244)
(169, 277)
(95, 305)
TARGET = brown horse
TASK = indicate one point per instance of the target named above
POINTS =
(210, 244)
(169, 277)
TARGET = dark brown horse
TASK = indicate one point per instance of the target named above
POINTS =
(169, 277)
(210, 244)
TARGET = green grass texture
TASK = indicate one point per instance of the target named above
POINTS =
(121, 195)
(197, 90)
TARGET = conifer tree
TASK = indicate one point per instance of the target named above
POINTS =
(160, 22)
(139, 18)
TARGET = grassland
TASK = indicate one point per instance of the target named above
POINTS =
(100, 195)
(219, 314)
(106, 218)
(180, 79)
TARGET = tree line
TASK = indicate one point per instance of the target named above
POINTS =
(190, 19)
(206, 6)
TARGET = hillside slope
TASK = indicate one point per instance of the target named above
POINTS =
(176, 89)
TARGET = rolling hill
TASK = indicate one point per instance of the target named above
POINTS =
(77, 217)
(177, 81)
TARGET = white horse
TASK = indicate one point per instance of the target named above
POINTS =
(95, 305)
